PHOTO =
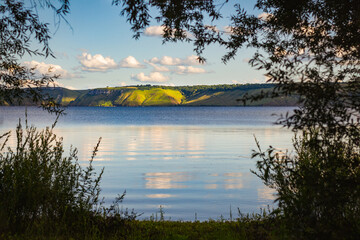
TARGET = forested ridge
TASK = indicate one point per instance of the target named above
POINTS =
(147, 95)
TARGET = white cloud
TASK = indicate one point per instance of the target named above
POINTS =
(158, 31)
(191, 60)
(255, 80)
(123, 84)
(131, 62)
(96, 63)
(154, 31)
(155, 77)
(212, 28)
(265, 16)
(49, 69)
(189, 70)
(166, 60)
(70, 87)
(170, 61)
(58, 84)
(157, 68)
(176, 65)
(169, 84)
(228, 29)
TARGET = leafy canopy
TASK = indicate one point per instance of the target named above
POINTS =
(310, 48)
(20, 30)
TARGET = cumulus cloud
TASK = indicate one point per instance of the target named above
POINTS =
(51, 69)
(212, 28)
(58, 84)
(228, 29)
(157, 68)
(154, 31)
(170, 61)
(70, 87)
(99, 63)
(189, 70)
(169, 84)
(166, 60)
(255, 80)
(265, 16)
(131, 62)
(154, 77)
(123, 84)
(96, 63)
(158, 31)
(191, 60)
(176, 65)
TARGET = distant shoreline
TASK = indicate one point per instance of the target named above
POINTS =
(145, 96)
(161, 106)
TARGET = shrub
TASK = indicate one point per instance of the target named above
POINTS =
(318, 189)
(40, 189)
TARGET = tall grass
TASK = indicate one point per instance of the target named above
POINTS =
(44, 193)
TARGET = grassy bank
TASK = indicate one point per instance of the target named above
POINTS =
(116, 228)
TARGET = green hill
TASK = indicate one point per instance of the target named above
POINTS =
(151, 97)
(201, 95)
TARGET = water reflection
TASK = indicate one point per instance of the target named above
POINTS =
(176, 180)
(163, 142)
(266, 193)
(231, 180)
(234, 174)
(160, 195)
(234, 180)
(211, 186)
(166, 180)
(233, 184)
(185, 168)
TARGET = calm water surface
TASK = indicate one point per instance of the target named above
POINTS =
(186, 159)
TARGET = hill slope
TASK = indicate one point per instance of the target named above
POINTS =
(202, 95)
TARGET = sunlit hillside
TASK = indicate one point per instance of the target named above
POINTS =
(201, 95)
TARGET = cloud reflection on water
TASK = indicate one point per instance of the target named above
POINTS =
(188, 166)
(160, 195)
(166, 180)
(211, 186)
(176, 180)
(266, 193)
(164, 142)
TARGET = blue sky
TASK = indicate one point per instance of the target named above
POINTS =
(98, 51)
